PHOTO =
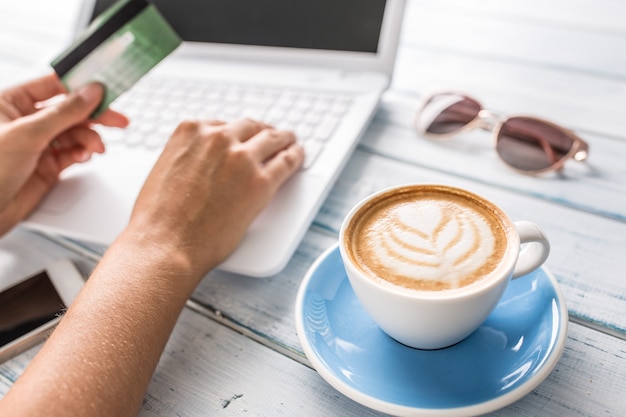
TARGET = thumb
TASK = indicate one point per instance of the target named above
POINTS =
(46, 124)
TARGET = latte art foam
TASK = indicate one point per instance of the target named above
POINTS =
(429, 243)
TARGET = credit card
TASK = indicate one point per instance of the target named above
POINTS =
(119, 47)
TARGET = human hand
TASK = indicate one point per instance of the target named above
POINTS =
(209, 184)
(38, 140)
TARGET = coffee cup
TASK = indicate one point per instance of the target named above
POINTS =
(430, 262)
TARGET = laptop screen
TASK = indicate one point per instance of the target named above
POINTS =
(339, 25)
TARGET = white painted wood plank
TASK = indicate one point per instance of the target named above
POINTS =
(208, 370)
(191, 366)
(591, 15)
(565, 36)
(578, 101)
(597, 186)
(545, 59)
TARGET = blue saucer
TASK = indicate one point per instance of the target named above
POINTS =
(507, 357)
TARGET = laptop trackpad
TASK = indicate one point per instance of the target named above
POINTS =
(91, 202)
(68, 191)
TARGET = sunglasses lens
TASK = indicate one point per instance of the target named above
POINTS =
(532, 145)
(446, 113)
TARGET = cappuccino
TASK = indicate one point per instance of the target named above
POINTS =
(427, 238)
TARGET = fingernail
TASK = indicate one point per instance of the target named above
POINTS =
(84, 156)
(90, 92)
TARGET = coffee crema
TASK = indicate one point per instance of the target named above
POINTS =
(427, 238)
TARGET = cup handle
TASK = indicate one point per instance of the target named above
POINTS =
(535, 250)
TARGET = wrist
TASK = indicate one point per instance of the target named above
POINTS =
(172, 262)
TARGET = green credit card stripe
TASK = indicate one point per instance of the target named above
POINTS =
(122, 45)
(111, 21)
(154, 34)
(149, 47)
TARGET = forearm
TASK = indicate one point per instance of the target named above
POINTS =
(100, 359)
(211, 180)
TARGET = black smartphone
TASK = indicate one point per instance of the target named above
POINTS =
(32, 307)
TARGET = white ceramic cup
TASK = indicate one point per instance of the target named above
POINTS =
(433, 319)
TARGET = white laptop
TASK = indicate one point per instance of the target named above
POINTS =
(245, 51)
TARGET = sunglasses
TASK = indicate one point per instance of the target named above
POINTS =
(527, 144)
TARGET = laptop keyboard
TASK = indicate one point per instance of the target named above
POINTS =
(157, 106)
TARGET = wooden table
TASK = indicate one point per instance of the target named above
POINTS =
(235, 350)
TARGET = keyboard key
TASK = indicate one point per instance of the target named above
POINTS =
(156, 106)
(312, 149)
